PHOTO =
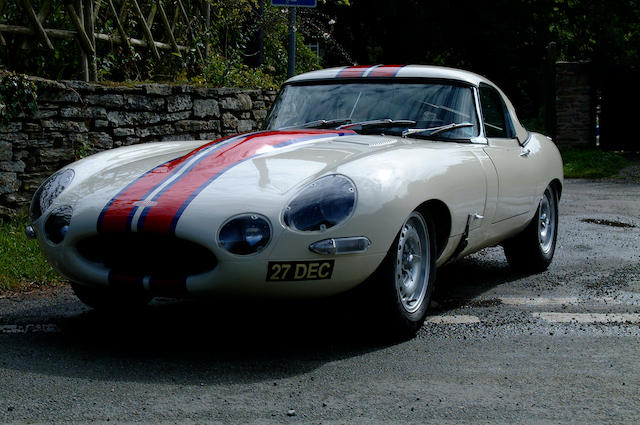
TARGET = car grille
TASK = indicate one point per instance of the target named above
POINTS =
(144, 254)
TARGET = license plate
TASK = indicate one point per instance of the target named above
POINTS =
(282, 271)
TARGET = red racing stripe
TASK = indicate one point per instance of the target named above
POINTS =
(386, 71)
(167, 207)
(115, 216)
(353, 71)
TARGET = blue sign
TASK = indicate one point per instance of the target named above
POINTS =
(294, 3)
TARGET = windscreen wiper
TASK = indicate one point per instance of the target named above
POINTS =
(319, 124)
(383, 123)
(436, 130)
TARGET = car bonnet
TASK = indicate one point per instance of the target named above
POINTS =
(226, 174)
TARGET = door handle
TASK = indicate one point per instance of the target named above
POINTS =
(525, 152)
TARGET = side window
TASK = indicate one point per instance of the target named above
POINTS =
(493, 111)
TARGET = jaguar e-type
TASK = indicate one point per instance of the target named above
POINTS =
(366, 175)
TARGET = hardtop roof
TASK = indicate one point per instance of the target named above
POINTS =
(392, 71)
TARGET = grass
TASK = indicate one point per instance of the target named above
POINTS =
(592, 163)
(22, 263)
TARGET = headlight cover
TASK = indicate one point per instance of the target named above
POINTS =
(49, 191)
(57, 224)
(325, 203)
(245, 234)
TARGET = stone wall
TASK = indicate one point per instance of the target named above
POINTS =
(575, 104)
(76, 119)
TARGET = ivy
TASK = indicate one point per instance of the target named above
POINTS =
(17, 97)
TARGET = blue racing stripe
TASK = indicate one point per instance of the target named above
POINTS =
(174, 222)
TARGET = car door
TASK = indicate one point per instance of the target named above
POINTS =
(512, 160)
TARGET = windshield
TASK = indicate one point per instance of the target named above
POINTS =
(430, 105)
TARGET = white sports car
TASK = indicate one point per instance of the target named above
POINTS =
(375, 174)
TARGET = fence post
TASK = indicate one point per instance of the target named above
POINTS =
(167, 27)
(89, 28)
(77, 16)
(146, 30)
(123, 34)
(37, 26)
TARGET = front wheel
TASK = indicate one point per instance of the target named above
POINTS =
(532, 250)
(404, 282)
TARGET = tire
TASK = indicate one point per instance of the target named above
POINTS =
(403, 284)
(109, 299)
(532, 250)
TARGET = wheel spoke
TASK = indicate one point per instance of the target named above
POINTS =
(546, 221)
(411, 272)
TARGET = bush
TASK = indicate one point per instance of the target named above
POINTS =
(17, 96)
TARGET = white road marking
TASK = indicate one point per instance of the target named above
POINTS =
(462, 319)
(540, 301)
(533, 301)
(31, 328)
(588, 317)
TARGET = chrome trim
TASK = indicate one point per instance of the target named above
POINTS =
(476, 95)
(340, 246)
(479, 140)
(220, 244)
(302, 188)
(30, 232)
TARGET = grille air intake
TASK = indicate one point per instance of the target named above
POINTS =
(145, 254)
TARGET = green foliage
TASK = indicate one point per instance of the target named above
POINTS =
(80, 150)
(275, 22)
(121, 65)
(28, 55)
(598, 30)
(17, 96)
(503, 40)
(592, 163)
(223, 72)
(231, 39)
(22, 263)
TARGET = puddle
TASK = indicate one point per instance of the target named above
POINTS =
(604, 222)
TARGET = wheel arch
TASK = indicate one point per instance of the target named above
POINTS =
(556, 185)
(439, 212)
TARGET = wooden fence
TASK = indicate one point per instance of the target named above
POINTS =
(170, 25)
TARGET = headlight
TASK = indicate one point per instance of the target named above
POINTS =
(325, 203)
(57, 224)
(48, 192)
(245, 234)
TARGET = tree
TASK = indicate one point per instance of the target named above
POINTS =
(504, 40)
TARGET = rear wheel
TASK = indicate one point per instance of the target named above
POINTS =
(532, 250)
(106, 298)
(404, 282)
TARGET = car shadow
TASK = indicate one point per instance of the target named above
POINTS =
(460, 283)
(192, 342)
(230, 341)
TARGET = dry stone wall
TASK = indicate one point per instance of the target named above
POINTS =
(575, 105)
(75, 119)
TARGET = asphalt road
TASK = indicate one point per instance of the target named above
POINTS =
(557, 347)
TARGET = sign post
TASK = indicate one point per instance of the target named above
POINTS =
(292, 5)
